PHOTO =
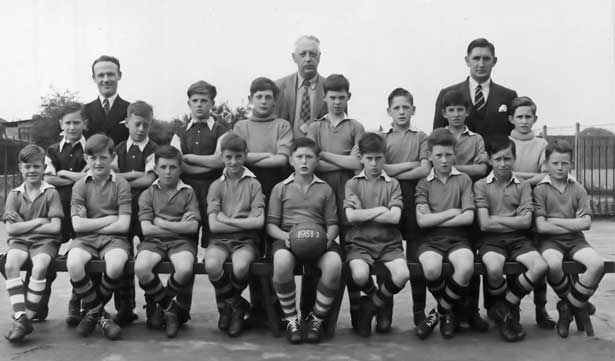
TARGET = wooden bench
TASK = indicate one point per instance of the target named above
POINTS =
(262, 270)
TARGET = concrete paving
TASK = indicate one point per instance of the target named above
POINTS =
(201, 340)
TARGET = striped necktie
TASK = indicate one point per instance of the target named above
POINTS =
(306, 107)
(479, 98)
(106, 106)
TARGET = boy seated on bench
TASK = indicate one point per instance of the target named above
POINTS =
(562, 214)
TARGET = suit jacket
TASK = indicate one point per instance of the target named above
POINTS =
(287, 100)
(109, 124)
(492, 120)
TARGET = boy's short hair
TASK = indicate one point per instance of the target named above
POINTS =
(521, 102)
(98, 143)
(167, 152)
(234, 143)
(400, 92)
(481, 43)
(263, 84)
(70, 108)
(204, 88)
(371, 143)
(560, 146)
(442, 137)
(108, 58)
(31, 153)
(336, 82)
(453, 97)
(141, 109)
(304, 142)
(500, 143)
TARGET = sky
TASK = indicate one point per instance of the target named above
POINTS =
(560, 53)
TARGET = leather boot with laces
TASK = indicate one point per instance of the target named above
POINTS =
(293, 331)
(426, 327)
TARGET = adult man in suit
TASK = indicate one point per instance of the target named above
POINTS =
(489, 113)
(301, 98)
(105, 113)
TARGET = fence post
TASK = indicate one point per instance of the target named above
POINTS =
(544, 131)
(577, 156)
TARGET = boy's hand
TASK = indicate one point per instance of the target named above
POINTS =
(62, 173)
(187, 217)
(12, 217)
(355, 201)
(423, 208)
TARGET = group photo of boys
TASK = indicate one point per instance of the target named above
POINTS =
(355, 226)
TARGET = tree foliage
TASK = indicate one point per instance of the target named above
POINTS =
(46, 128)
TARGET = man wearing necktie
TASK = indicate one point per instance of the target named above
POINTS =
(489, 113)
(105, 113)
(301, 98)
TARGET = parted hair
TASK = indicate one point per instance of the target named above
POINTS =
(141, 109)
(167, 152)
(336, 82)
(560, 146)
(522, 102)
(400, 92)
(371, 143)
(442, 137)
(234, 143)
(98, 143)
(453, 97)
(481, 43)
(498, 144)
(31, 153)
(204, 88)
(70, 108)
(304, 142)
(263, 84)
(108, 58)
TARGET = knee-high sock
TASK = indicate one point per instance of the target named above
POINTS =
(155, 291)
(238, 285)
(385, 292)
(497, 291)
(106, 287)
(174, 289)
(16, 291)
(224, 290)
(453, 292)
(287, 295)
(518, 289)
(561, 287)
(579, 294)
(84, 288)
(436, 287)
(324, 299)
(36, 289)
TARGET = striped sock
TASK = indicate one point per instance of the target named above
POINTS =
(324, 300)
(174, 289)
(16, 290)
(84, 288)
(385, 292)
(561, 288)
(107, 286)
(223, 289)
(154, 289)
(521, 287)
(369, 288)
(36, 288)
(497, 290)
(579, 294)
(436, 287)
(286, 293)
(354, 295)
(453, 293)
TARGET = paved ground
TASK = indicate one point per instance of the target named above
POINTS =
(52, 340)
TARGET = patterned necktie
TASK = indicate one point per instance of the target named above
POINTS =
(106, 106)
(305, 112)
(479, 98)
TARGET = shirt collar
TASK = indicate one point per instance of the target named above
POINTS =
(90, 175)
(491, 179)
(326, 118)
(312, 81)
(485, 85)
(141, 144)
(410, 129)
(547, 179)
(291, 179)
(432, 173)
(64, 141)
(466, 130)
(246, 173)
(383, 175)
(180, 185)
(209, 121)
(43, 188)
(111, 99)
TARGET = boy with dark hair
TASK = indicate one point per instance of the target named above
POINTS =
(236, 211)
(444, 210)
(470, 158)
(504, 206)
(201, 163)
(304, 198)
(32, 214)
(169, 215)
(373, 205)
(100, 209)
(530, 166)
(134, 161)
(562, 214)
(64, 165)
(406, 161)
(337, 136)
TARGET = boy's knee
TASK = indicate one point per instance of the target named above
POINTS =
(142, 268)
(539, 267)
(465, 269)
(432, 272)
(213, 266)
(360, 275)
(595, 266)
(115, 270)
(39, 270)
(241, 268)
(400, 274)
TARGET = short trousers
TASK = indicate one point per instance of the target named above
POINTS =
(97, 245)
(165, 248)
(231, 242)
(510, 245)
(279, 244)
(374, 243)
(48, 246)
(444, 242)
(568, 244)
